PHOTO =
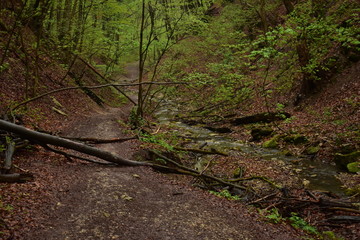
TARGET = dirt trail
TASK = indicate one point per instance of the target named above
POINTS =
(137, 203)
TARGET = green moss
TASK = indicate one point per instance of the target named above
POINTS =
(312, 150)
(329, 235)
(296, 139)
(353, 167)
(237, 172)
(287, 153)
(272, 143)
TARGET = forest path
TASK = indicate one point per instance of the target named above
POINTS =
(137, 203)
(132, 203)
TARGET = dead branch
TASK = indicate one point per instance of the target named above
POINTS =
(100, 141)
(264, 179)
(89, 87)
(104, 78)
(69, 156)
(192, 172)
(43, 138)
(212, 151)
(16, 177)
(345, 209)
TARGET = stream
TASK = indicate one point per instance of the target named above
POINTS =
(317, 175)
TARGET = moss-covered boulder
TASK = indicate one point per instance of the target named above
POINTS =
(260, 132)
(272, 143)
(312, 150)
(296, 139)
(353, 167)
(342, 160)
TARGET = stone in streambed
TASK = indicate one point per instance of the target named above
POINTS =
(342, 160)
(353, 167)
(312, 150)
(272, 143)
(296, 139)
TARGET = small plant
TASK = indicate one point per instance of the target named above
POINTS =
(225, 194)
(298, 222)
(2, 148)
(274, 216)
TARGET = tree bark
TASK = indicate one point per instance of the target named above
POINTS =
(65, 143)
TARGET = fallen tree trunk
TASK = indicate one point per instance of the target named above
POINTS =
(265, 117)
(16, 178)
(61, 142)
(101, 141)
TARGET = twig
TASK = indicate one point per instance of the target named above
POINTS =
(263, 198)
(345, 209)
(258, 178)
(192, 172)
(212, 151)
(100, 141)
(69, 156)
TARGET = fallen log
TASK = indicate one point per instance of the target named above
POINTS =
(211, 152)
(101, 141)
(43, 138)
(344, 219)
(16, 177)
(265, 117)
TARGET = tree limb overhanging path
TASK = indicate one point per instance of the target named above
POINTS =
(137, 203)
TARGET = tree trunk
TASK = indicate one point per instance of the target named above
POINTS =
(288, 5)
(43, 138)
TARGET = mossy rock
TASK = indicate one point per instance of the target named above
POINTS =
(342, 160)
(296, 139)
(312, 150)
(287, 153)
(261, 132)
(272, 143)
(353, 167)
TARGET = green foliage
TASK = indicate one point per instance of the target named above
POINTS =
(329, 235)
(274, 216)
(298, 222)
(4, 67)
(2, 148)
(225, 194)
(155, 139)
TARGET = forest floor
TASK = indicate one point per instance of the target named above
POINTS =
(102, 202)
(77, 200)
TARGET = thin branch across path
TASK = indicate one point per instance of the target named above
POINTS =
(92, 87)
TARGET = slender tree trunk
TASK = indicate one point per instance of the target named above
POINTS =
(141, 62)
(288, 5)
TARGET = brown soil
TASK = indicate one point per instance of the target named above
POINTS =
(101, 202)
